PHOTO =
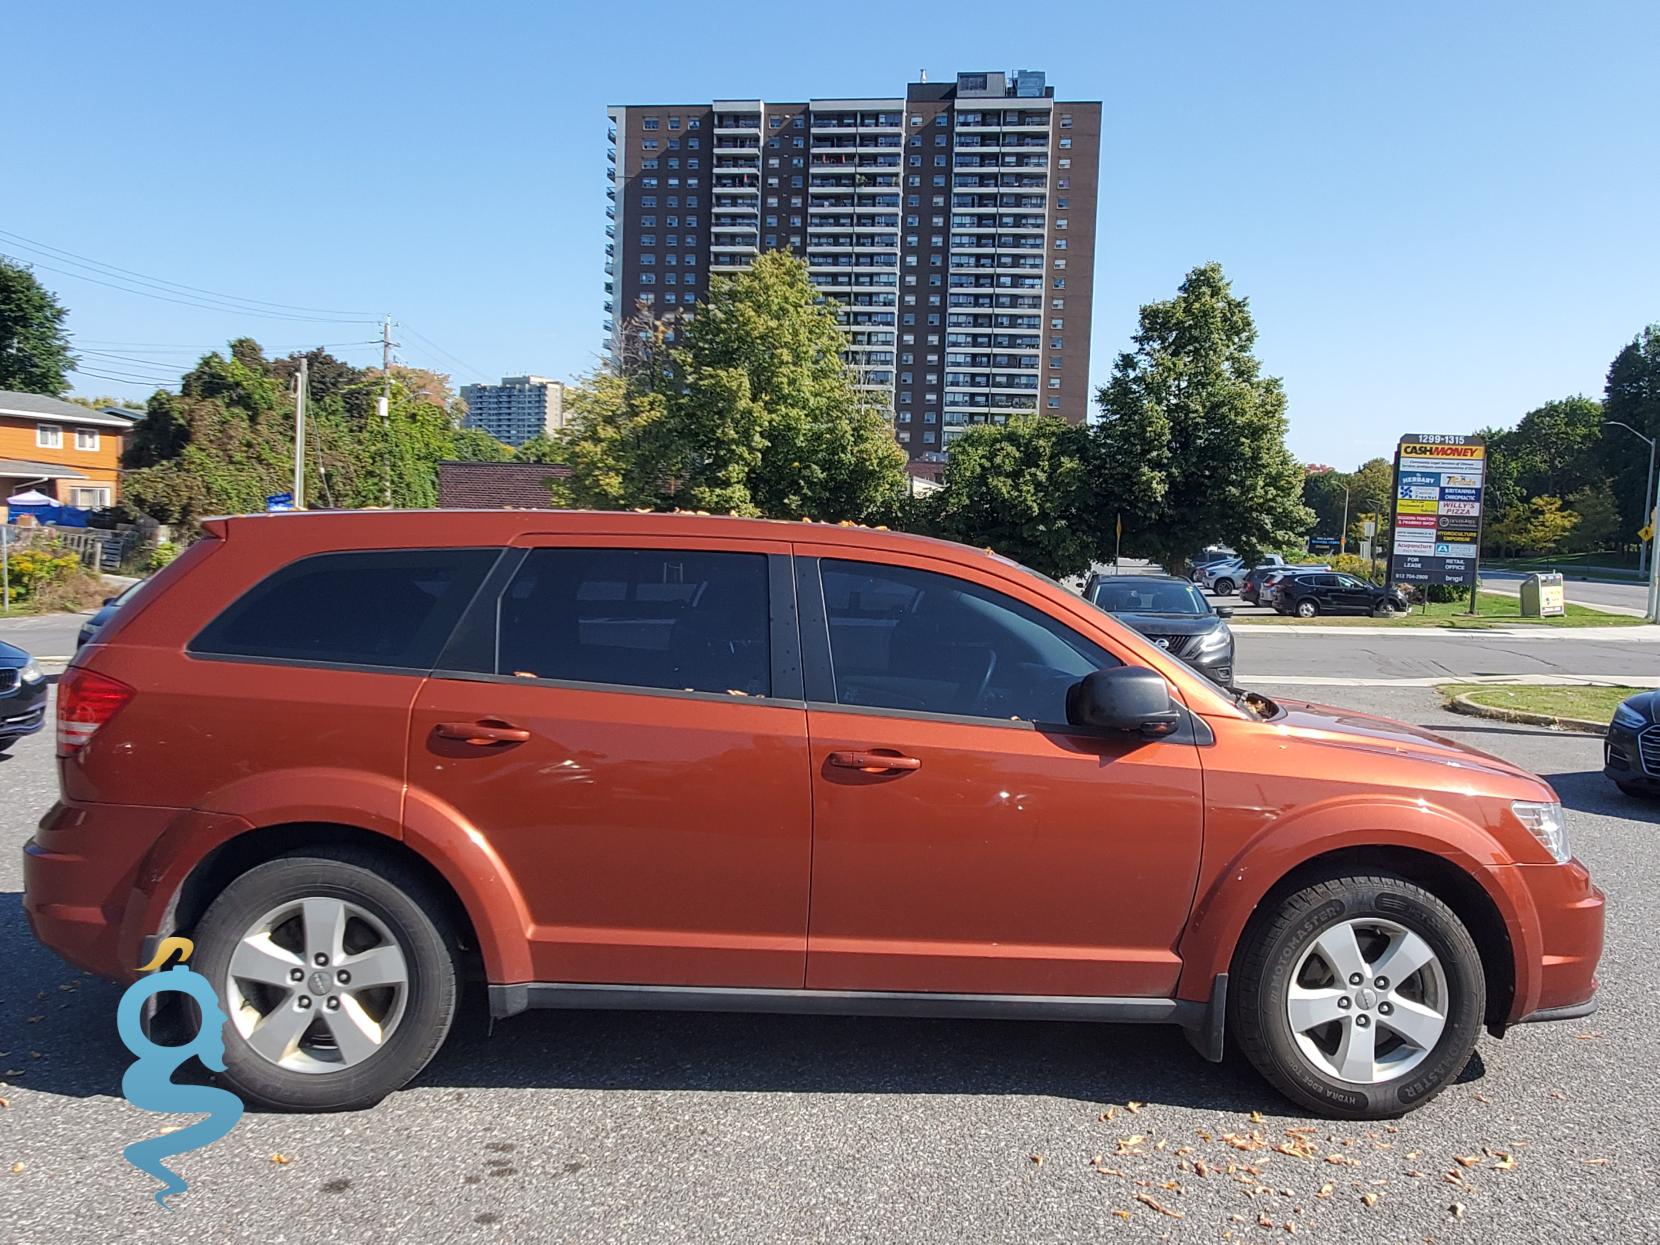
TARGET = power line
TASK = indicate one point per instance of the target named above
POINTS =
(31, 244)
(128, 380)
(183, 302)
(461, 363)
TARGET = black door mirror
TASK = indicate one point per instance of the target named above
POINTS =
(1224, 611)
(1124, 698)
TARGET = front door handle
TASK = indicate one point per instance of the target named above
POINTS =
(482, 734)
(873, 762)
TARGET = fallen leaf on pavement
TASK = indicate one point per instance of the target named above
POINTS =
(1037, 1159)
(281, 1160)
(1596, 1162)
(1369, 1199)
(1505, 1161)
(17, 1168)
(1256, 1118)
(1457, 1210)
(1325, 1190)
(1133, 1107)
(1109, 1113)
(1342, 1160)
(1467, 1160)
(1153, 1203)
(1122, 1214)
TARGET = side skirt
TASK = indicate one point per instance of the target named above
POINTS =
(1202, 1021)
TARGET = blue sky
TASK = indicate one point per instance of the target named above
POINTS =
(1442, 215)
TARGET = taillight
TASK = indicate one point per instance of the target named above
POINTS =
(86, 700)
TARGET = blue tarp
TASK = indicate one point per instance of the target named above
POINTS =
(63, 516)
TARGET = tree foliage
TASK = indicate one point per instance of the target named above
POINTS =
(1193, 436)
(34, 349)
(1028, 489)
(751, 411)
(1632, 396)
(225, 441)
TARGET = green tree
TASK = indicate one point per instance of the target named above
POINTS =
(1193, 436)
(1547, 525)
(1323, 493)
(34, 349)
(752, 412)
(1599, 518)
(1632, 396)
(1556, 447)
(1028, 490)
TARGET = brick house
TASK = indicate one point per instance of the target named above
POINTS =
(497, 486)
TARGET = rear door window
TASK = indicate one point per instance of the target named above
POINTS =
(673, 619)
(391, 608)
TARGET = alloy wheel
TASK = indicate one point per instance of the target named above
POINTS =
(1367, 1001)
(316, 985)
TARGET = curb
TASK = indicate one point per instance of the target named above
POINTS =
(1463, 704)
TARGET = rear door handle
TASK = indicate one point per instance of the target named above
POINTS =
(482, 734)
(873, 762)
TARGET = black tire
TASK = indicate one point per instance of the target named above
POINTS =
(1308, 607)
(409, 910)
(1269, 953)
(1382, 610)
(1223, 588)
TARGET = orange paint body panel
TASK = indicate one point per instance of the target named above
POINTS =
(656, 836)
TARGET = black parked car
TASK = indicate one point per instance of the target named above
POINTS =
(1330, 592)
(1631, 753)
(22, 696)
(1250, 589)
(106, 612)
(1173, 614)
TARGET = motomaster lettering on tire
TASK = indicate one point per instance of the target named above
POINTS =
(1359, 996)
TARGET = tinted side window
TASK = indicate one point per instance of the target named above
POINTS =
(908, 639)
(385, 607)
(675, 619)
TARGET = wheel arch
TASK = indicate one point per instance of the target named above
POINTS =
(1443, 878)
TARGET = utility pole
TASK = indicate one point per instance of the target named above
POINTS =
(1343, 532)
(300, 382)
(385, 403)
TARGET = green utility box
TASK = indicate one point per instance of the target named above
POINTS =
(1542, 596)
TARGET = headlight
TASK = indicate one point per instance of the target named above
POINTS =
(1216, 641)
(32, 673)
(1629, 718)
(1545, 823)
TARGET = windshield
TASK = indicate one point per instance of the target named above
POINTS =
(1150, 597)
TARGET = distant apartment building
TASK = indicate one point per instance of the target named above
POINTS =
(954, 227)
(519, 408)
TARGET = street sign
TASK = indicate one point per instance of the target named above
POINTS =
(280, 501)
(1438, 490)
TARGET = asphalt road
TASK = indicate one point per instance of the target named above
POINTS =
(643, 1128)
(1624, 596)
(45, 636)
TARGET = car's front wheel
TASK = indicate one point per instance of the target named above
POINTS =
(1223, 587)
(336, 977)
(1307, 608)
(1359, 997)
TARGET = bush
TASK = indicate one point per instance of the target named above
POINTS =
(160, 556)
(1359, 567)
(48, 577)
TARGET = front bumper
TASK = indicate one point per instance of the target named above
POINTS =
(1571, 912)
(23, 710)
(1623, 756)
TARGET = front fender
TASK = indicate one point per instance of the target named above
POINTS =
(1231, 893)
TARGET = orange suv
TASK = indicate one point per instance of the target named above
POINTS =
(590, 760)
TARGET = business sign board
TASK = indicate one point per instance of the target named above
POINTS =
(1438, 488)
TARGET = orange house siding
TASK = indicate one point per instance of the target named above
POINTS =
(101, 466)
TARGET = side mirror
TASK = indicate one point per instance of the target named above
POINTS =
(1224, 611)
(1124, 698)
(109, 600)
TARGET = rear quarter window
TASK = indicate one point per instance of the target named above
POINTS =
(390, 608)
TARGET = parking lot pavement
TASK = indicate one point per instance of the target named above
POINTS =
(619, 1127)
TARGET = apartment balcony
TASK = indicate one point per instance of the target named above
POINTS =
(744, 124)
(610, 268)
(611, 210)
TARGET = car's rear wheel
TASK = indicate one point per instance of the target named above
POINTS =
(1359, 997)
(1223, 587)
(1307, 608)
(337, 980)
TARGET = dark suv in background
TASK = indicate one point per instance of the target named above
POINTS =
(1173, 614)
(1331, 592)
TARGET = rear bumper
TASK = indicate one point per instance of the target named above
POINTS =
(81, 872)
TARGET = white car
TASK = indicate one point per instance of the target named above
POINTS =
(1224, 578)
